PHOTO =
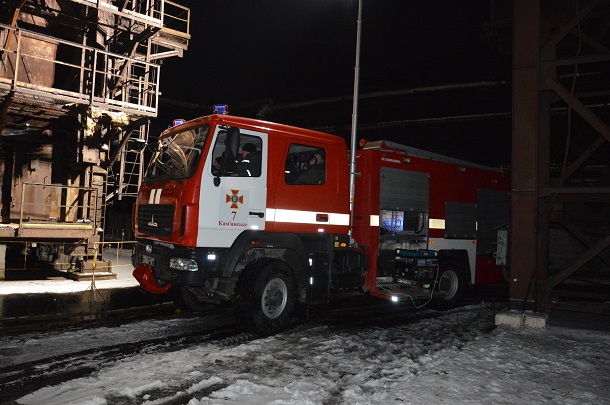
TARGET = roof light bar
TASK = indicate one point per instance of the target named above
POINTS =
(222, 109)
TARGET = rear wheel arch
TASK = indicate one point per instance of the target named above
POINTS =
(456, 258)
(453, 277)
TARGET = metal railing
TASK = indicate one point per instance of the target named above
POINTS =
(119, 251)
(57, 207)
(164, 14)
(149, 12)
(176, 18)
(103, 79)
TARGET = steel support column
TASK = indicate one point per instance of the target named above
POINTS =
(525, 147)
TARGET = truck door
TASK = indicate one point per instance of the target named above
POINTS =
(233, 195)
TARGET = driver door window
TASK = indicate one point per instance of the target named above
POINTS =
(246, 164)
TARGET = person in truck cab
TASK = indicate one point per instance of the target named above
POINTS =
(316, 171)
(250, 163)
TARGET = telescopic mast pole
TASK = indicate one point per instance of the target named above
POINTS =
(352, 164)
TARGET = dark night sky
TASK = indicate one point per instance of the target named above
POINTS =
(244, 53)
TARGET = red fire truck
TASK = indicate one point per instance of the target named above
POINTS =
(258, 215)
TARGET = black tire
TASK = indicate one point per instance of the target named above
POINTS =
(186, 300)
(265, 297)
(452, 285)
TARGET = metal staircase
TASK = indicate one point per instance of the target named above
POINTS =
(126, 174)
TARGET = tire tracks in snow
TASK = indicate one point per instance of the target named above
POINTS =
(342, 317)
(19, 380)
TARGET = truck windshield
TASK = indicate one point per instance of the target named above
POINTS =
(177, 156)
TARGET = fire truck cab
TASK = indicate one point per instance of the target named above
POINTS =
(257, 214)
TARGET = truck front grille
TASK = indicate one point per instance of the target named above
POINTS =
(156, 219)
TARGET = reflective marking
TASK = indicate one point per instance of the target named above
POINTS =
(432, 224)
(304, 217)
(436, 223)
(270, 214)
(155, 196)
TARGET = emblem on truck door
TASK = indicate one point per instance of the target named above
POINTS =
(234, 198)
(230, 213)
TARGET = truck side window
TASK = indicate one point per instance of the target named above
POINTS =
(305, 165)
(247, 163)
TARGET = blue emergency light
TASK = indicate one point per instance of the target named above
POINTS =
(178, 121)
(222, 109)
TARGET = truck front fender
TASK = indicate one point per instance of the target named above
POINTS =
(295, 256)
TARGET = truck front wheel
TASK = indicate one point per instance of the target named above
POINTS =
(265, 296)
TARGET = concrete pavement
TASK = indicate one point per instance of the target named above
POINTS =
(50, 294)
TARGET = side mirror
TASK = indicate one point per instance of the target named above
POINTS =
(232, 142)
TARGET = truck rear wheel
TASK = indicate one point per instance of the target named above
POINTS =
(451, 285)
(265, 296)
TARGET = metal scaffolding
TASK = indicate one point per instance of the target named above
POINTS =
(79, 81)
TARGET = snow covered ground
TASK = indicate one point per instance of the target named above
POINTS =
(457, 357)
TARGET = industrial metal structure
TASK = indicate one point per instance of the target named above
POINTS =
(560, 164)
(79, 81)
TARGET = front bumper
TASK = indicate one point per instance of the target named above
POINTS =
(160, 257)
(144, 274)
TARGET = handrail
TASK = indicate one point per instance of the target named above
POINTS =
(144, 15)
(134, 91)
(81, 211)
(177, 18)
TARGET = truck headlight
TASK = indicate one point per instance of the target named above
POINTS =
(178, 263)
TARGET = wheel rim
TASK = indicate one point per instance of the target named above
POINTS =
(448, 284)
(275, 297)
